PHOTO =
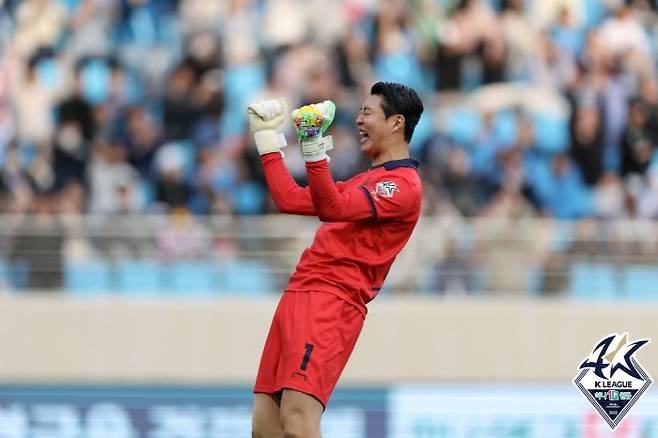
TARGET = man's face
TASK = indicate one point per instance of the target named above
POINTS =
(374, 128)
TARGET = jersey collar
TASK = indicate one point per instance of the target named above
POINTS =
(394, 164)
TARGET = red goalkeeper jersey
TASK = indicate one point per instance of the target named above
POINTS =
(367, 220)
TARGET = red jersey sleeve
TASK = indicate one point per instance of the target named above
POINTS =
(383, 198)
(289, 197)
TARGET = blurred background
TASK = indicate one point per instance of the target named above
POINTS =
(141, 257)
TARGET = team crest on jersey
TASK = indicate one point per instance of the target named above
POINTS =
(385, 189)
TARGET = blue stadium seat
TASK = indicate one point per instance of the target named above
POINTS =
(139, 277)
(593, 281)
(17, 274)
(95, 77)
(145, 191)
(4, 278)
(506, 126)
(192, 278)
(462, 124)
(533, 277)
(49, 73)
(71, 5)
(595, 12)
(402, 67)
(239, 85)
(27, 153)
(248, 198)
(423, 132)
(640, 282)
(246, 277)
(88, 278)
(551, 132)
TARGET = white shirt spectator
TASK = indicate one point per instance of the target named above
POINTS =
(544, 12)
(202, 15)
(285, 22)
(90, 27)
(38, 24)
(33, 105)
(623, 33)
(113, 184)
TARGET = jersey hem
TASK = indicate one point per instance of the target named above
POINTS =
(341, 295)
(279, 388)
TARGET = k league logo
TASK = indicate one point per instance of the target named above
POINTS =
(611, 379)
(385, 189)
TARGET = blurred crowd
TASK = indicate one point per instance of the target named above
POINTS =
(137, 106)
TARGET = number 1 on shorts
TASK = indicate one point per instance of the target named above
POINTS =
(307, 357)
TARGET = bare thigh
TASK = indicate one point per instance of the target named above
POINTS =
(300, 414)
(266, 416)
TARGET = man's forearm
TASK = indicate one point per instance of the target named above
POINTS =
(330, 203)
(288, 196)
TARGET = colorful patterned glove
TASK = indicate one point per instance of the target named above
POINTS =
(264, 119)
(311, 121)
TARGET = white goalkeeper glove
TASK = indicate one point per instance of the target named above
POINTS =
(311, 121)
(264, 119)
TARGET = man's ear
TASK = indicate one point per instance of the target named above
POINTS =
(398, 122)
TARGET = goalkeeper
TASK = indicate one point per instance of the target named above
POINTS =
(367, 220)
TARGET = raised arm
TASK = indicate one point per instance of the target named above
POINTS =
(288, 196)
(265, 117)
(332, 205)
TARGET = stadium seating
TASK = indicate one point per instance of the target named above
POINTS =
(139, 277)
(551, 132)
(192, 278)
(245, 277)
(88, 278)
(640, 282)
(593, 281)
(462, 124)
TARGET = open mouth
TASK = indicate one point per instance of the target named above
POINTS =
(364, 135)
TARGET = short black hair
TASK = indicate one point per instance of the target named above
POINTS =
(400, 99)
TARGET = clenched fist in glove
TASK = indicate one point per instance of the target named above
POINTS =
(311, 121)
(264, 119)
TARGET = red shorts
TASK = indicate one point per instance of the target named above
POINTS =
(310, 340)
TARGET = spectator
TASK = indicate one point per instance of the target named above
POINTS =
(560, 190)
(142, 139)
(76, 128)
(637, 143)
(39, 23)
(183, 237)
(623, 35)
(521, 51)
(33, 104)
(551, 67)
(181, 111)
(172, 190)
(587, 143)
(204, 66)
(113, 183)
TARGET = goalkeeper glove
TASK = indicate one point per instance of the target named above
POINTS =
(311, 122)
(264, 119)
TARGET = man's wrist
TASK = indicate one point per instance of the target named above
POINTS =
(313, 149)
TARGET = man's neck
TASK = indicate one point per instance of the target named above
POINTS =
(398, 152)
